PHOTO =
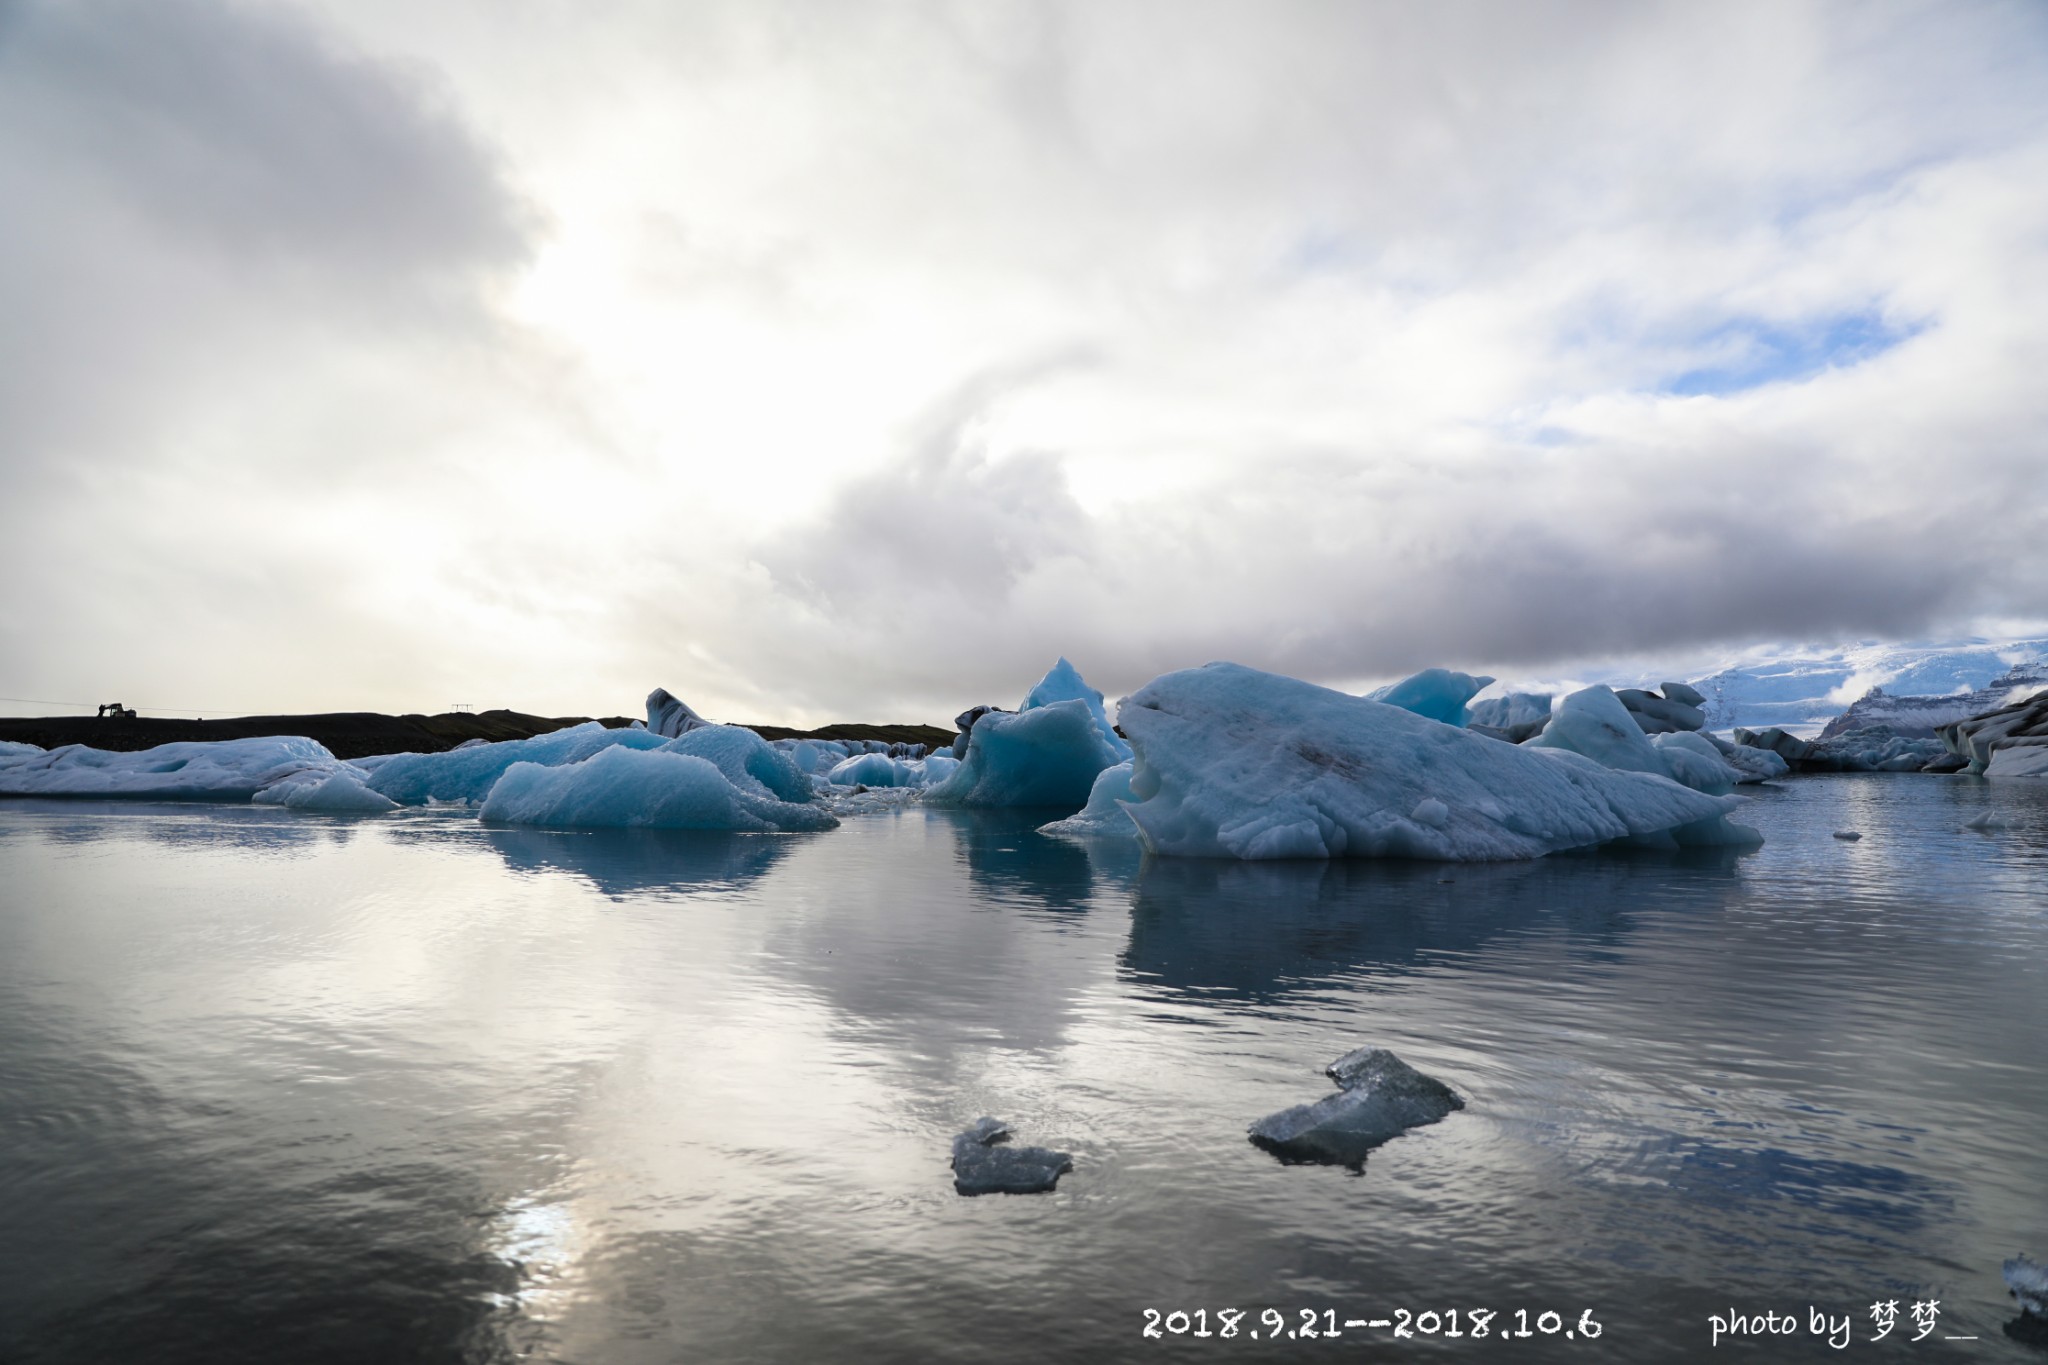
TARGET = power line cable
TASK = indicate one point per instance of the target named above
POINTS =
(87, 705)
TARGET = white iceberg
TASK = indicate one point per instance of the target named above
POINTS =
(197, 770)
(341, 793)
(468, 774)
(1103, 816)
(1235, 763)
(629, 788)
(1593, 722)
(1437, 693)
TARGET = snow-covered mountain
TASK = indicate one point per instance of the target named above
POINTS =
(1802, 689)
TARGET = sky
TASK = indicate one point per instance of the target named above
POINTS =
(826, 361)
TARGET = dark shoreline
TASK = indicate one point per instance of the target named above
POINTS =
(357, 734)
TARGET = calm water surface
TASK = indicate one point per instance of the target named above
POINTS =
(288, 1088)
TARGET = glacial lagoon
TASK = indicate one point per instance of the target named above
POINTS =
(278, 1086)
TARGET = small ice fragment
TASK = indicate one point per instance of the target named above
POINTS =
(1985, 821)
(1848, 834)
(2028, 1281)
(982, 1167)
(1382, 1097)
(1432, 812)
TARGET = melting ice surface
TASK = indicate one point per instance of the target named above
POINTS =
(278, 1086)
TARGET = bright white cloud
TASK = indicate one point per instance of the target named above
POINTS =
(821, 361)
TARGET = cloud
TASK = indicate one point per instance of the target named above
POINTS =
(1380, 336)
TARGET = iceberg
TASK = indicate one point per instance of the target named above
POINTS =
(1874, 749)
(813, 755)
(669, 717)
(1045, 753)
(1063, 682)
(1697, 762)
(874, 770)
(1681, 692)
(1514, 718)
(1658, 715)
(1103, 816)
(1047, 756)
(2027, 1281)
(1755, 765)
(744, 757)
(192, 770)
(13, 749)
(468, 774)
(341, 793)
(1437, 693)
(981, 1166)
(1234, 763)
(2004, 742)
(1381, 1097)
(623, 787)
(1594, 722)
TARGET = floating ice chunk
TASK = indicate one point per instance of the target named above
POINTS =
(1437, 693)
(1517, 716)
(1382, 1097)
(874, 770)
(215, 770)
(628, 788)
(1682, 692)
(1593, 722)
(1847, 835)
(1783, 743)
(1875, 749)
(2027, 1281)
(338, 793)
(11, 749)
(670, 717)
(1755, 765)
(1235, 763)
(1103, 816)
(813, 755)
(468, 774)
(1063, 682)
(1657, 715)
(1697, 761)
(1987, 821)
(2019, 758)
(745, 758)
(1047, 756)
(980, 1166)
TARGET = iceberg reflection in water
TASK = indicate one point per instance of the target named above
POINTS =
(316, 1088)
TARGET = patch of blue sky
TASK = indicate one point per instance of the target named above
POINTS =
(1749, 353)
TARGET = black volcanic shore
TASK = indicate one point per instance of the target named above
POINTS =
(357, 734)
